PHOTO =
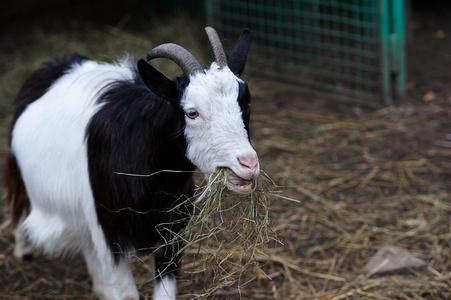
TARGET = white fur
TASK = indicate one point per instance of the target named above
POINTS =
(22, 246)
(165, 289)
(217, 137)
(110, 281)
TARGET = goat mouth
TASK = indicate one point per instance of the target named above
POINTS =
(239, 184)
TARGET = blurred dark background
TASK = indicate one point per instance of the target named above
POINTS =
(57, 15)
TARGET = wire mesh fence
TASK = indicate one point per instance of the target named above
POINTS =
(333, 45)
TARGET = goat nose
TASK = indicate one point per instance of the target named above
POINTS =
(249, 161)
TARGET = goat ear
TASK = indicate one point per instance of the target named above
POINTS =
(156, 81)
(237, 59)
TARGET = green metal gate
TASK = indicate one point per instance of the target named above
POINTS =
(348, 47)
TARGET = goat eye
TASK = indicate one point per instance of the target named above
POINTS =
(192, 113)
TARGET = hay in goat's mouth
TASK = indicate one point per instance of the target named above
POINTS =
(228, 230)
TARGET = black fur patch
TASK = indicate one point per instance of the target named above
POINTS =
(137, 132)
(244, 100)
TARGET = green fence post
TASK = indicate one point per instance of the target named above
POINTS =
(398, 47)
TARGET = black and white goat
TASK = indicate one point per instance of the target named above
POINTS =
(78, 122)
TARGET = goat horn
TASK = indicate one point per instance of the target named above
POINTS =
(179, 55)
(220, 56)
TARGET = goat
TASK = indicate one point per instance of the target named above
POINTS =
(78, 122)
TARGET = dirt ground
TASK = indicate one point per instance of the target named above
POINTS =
(364, 177)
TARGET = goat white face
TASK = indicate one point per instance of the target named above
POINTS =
(215, 104)
(215, 128)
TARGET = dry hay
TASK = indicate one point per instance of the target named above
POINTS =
(228, 231)
(364, 180)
